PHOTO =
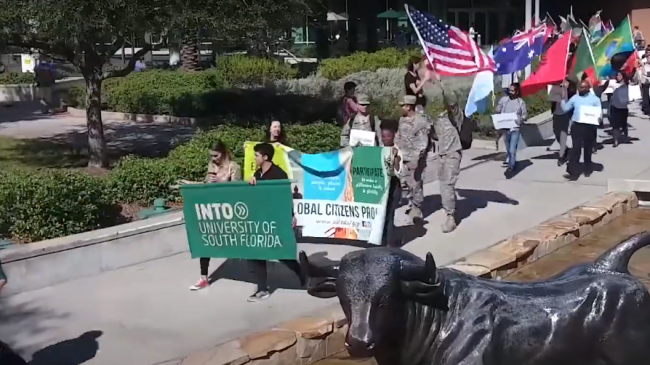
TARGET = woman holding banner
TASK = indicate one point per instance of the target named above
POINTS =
(220, 169)
(275, 133)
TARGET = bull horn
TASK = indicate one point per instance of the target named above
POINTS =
(331, 270)
(427, 273)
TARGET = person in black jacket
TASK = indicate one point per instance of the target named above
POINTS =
(267, 170)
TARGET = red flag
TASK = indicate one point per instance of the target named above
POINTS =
(630, 65)
(552, 69)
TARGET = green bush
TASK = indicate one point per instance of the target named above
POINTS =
(38, 205)
(12, 78)
(141, 180)
(246, 70)
(337, 68)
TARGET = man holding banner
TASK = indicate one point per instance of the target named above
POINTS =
(267, 170)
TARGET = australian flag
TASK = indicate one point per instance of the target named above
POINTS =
(520, 50)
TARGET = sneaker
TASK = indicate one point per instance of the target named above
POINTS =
(201, 284)
(259, 296)
(449, 225)
(415, 213)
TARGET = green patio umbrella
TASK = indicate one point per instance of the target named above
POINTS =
(391, 14)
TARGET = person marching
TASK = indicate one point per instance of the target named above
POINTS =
(582, 134)
(267, 170)
(618, 108)
(220, 169)
(413, 141)
(448, 152)
(561, 124)
(513, 103)
(362, 120)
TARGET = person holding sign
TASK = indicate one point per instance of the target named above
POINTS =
(220, 169)
(514, 107)
(361, 121)
(587, 110)
(267, 170)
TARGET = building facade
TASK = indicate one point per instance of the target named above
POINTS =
(492, 20)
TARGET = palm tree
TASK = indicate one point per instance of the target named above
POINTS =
(190, 57)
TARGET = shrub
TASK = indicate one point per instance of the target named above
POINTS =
(337, 68)
(246, 70)
(12, 78)
(38, 205)
(141, 180)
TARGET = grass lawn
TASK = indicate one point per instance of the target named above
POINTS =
(18, 153)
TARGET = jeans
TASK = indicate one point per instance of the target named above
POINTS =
(512, 142)
(561, 130)
(584, 137)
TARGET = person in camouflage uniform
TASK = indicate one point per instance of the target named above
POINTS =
(413, 141)
(362, 120)
(449, 153)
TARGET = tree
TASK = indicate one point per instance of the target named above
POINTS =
(87, 34)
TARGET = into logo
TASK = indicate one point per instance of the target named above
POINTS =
(241, 210)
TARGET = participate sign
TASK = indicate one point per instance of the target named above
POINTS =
(340, 194)
(236, 220)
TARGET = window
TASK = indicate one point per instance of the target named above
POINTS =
(305, 33)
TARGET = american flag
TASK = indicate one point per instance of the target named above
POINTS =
(453, 51)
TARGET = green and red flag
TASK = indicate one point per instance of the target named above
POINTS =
(583, 60)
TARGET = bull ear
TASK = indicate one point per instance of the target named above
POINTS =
(321, 280)
(323, 290)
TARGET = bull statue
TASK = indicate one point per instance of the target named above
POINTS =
(405, 311)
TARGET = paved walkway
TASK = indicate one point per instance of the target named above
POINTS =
(147, 315)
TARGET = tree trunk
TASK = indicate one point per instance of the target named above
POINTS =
(97, 154)
(190, 53)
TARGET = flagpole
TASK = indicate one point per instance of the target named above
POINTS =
(417, 32)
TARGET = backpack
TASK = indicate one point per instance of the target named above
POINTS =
(465, 130)
(341, 114)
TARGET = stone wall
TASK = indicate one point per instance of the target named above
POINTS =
(305, 340)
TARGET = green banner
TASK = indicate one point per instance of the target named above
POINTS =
(236, 220)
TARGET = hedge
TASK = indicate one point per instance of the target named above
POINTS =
(12, 78)
(37, 205)
(337, 68)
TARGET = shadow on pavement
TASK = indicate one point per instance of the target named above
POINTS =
(279, 275)
(71, 149)
(75, 351)
(468, 201)
(519, 167)
(20, 112)
(24, 323)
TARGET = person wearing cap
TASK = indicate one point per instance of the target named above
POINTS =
(448, 152)
(413, 142)
(361, 120)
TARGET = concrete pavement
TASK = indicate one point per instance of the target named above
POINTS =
(147, 315)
